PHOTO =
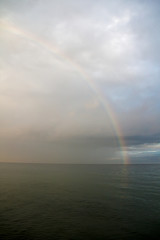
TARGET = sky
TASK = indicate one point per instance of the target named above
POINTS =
(79, 81)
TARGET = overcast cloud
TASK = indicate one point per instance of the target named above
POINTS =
(62, 63)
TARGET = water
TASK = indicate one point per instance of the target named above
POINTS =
(79, 202)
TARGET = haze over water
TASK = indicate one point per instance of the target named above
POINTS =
(49, 201)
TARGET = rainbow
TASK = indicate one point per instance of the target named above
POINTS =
(45, 44)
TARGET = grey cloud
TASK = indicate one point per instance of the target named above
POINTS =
(114, 43)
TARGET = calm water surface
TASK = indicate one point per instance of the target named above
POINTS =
(79, 202)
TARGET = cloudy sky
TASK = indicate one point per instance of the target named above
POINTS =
(78, 76)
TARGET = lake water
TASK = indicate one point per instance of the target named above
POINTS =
(40, 201)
